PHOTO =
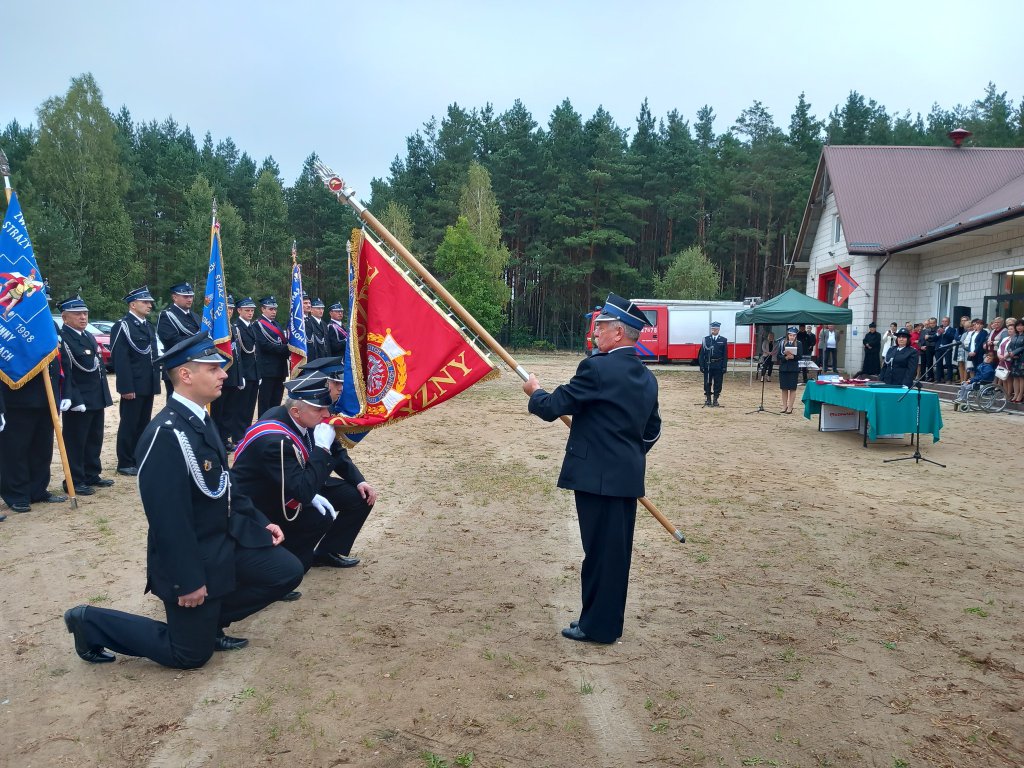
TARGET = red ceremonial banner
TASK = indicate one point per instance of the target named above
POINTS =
(405, 354)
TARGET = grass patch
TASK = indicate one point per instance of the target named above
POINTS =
(977, 611)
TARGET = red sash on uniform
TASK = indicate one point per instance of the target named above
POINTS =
(269, 326)
(272, 427)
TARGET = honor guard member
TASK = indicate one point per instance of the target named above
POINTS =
(133, 354)
(613, 401)
(26, 443)
(285, 463)
(89, 393)
(212, 557)
(243, 343)
(272, 356)
(316, 341)
(900, 362)
(177, 322)
(222, 408)
(336, 334)
(713, 359)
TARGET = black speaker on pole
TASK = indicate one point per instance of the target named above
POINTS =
(959, 312)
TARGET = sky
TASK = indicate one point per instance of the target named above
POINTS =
(352, 81)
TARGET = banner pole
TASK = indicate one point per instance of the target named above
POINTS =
(346, 195)
(5, 170)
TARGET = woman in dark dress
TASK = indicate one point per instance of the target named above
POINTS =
(872, 365)
(789, 367)
(900, 362)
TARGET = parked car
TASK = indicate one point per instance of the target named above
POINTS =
(102, 338)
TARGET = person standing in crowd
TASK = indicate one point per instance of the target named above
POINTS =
(789, 350)
(243, 345)
(996, 331)
(222, 409)
(713, 360)
(336, 335)
(271, 356)
(767, 356)
(872, 364)
(977, 339)
(901, 362)
(806, 339)
(929, 337)
(26, 443)
(960, 354)
(613, 400)
(1015, 358)
(889, 339)
(945, 342)
(828, 348)
(1002, 356)
(177, 322)
(316, 342)
(89, 393)
(213, 559)
(284, 464)
(137, 377)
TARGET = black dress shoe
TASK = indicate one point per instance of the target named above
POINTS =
(103, 482)
(81, 489)
(226, 643)
(20, 507)
(2, 517)
(573, 624)
(54, 498)
(94, 654)
(334, 561)
(129, 471)
(575, 633)
(291, 597)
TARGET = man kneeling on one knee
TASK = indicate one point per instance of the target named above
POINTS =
(285, 464)
(213, 558)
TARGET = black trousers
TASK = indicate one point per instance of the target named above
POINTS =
(234, 415)
(311, 532)
(26, 448)
(271, 391)
(713, 382)
(944, 365)
(135, 415)
(186, 639)
(83, 439)
(221, 411)
(243, 413)
(830, 355)
(927, 358)
(606, 528)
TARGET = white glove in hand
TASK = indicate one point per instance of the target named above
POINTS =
(324, 436)
(3, 422)
(325, 507)
(242, 385)
(64, 405)
(79, 408)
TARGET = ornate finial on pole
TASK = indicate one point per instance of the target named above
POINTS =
(295, 252)
(5, 166)
(215, 207)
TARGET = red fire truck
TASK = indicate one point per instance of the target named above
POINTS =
(679, 326)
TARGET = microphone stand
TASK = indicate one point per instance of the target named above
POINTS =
(760, 408)
(917, 457)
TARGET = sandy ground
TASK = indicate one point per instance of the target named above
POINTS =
(827, 610)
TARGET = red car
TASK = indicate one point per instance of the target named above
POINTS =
(102, 335)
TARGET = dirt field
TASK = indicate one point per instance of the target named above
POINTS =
(827, 610)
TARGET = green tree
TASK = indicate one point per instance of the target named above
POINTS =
(461, 263)
(690, 276)
(395, 217)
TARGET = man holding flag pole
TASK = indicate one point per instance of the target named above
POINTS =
(296, 319)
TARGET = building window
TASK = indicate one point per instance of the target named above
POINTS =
(837, 229)
(948, 295)
(1010, 282)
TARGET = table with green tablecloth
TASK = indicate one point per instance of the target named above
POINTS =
(886, 413)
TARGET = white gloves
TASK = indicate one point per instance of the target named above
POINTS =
(324, 506)
(324, 436)
(79, 408)
(242, 385)
(64, 405)
(3, 422)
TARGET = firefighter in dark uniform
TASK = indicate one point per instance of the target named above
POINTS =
(713, 359)
(900, 366)
(336, 334)
(313, 312)
(223, 407)
(613, 401)
(244, 346)
(89, 393)
(26, 443)
(133, 353)
(285, 463)
(212, 556)
(271, 356)
(177, 322)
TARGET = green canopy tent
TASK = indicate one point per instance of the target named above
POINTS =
(792, 307)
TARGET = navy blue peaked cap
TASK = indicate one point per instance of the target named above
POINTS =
(74, 304)
(622, 310)
(195, 349)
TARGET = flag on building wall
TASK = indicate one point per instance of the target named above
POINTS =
(28, 338)
(296, 320)
(404, 353)
(845, 285)
(215, 302)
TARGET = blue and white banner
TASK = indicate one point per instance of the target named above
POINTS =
(28, 338)
(215, 302)
(296, 321)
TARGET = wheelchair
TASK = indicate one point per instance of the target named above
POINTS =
(987, 398)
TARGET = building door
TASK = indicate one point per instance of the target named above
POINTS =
(1007, 305)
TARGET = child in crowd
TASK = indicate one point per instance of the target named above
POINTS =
(983, 374)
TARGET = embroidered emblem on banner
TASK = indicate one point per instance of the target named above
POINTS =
(385, 359)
